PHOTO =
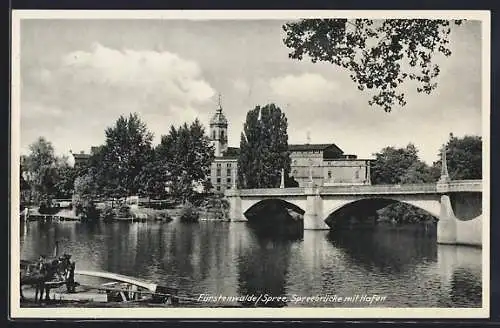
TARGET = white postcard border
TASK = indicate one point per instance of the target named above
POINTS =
(192, 313)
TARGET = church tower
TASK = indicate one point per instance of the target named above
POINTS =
(218, 131)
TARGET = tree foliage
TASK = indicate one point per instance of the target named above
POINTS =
(464, 157)
(399, 165)
(263, 148)
(65, 181)
(41, 168)
(379, 54)
(124, 155)
(181, 162)
(85, 192)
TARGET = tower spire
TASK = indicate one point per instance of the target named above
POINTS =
(219, 108)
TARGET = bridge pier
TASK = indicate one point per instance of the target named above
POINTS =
(235, 211)
(447, 224)
(313, 217)
(453, 231)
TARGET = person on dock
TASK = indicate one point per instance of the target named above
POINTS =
(70, 281)
(25, 213)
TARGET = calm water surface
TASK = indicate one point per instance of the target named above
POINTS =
(231, 259)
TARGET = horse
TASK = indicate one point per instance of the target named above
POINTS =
(44, 270)
(34, 274)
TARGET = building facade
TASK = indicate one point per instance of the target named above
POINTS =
(321, 164)
(327, 165)
(223, 171)
(80, 159)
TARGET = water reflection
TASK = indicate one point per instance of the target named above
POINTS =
(235, 259)
(263, 267)
(391, 253)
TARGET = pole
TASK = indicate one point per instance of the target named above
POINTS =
(444, 166)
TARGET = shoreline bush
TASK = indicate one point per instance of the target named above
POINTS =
(189, 213)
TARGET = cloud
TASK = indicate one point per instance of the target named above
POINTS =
(102, 83)
(240, 85)
(306, 87)
(150, 71)
(31, 110)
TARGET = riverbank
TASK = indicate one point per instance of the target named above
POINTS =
(206, 209)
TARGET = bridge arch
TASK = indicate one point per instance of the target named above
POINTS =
(466, 206)
(369, 205)
(297, 206)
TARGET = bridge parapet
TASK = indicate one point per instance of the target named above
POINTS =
(270, 192)
(423, 188)
(464, 186)
(416, 188)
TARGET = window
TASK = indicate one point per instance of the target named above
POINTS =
(228, 171)
(218, 165)
(218, 188)
(228, 164)
(228, 187)
(218, 180)
(222, 135)
(228, 180)
(329, 174)
(356, 174)
(213, 134)
(218, 171)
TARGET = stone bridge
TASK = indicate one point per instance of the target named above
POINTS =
(456, 203)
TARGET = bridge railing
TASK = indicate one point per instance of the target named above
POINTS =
(404, 188)
(272, 191)
(414, 188)
(465, 185)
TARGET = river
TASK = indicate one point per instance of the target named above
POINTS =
(378, 268)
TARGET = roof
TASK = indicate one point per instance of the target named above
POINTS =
(219, 117)
(308, 147)
(234, 151)
(230, 153)
(81, 156)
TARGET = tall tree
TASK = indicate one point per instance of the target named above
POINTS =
(263, 148)
(392, 165)
(418, 172)
(124, 155)
(85, 192)
(379, 54)
(66, 176)
(24, 185)
(464, 158)
(181, 162)
(41, 167)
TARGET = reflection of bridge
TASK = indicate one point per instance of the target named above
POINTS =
(456, 203)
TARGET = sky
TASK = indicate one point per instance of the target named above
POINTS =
(79, 76)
